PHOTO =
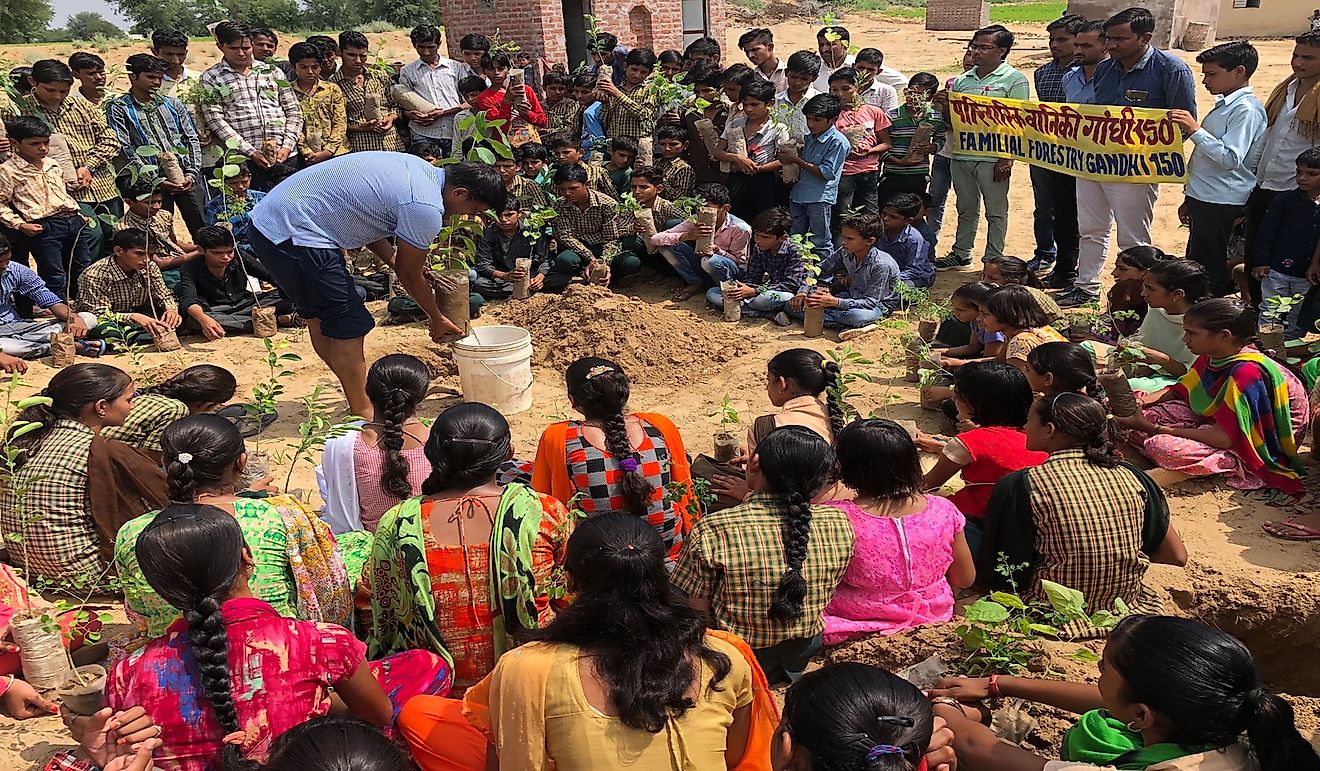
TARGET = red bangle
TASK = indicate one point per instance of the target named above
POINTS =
(994, 687)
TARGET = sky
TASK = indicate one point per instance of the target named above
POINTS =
(65, 8)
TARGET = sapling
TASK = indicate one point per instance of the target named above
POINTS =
(628, 204)
(450, 257)
(726, 437)
(265, 397)
(1274, 312)
(813, 319)
(1114, 377)
(852, 366)
(316, 429)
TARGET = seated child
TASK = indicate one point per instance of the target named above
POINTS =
(731, 238)
(1130, 267)
(426, 149)
(37, 214)
(592, 133)
(235, 207)
(902, 241)
(562, 112)
(965, 304)
(1013, 271)
(590, 230)
(774, 268)
(522, 192)
(30, 339)
(143, 210)
(676, 173)
(533, 161)
(1015, 312)
(872, 276)
(1286, 241)
(1060, 368)
(996, 398)
(497, 254)
(923, 225)
(127, 294)
(469, 88)
(649, 191)
(618, 165)
(216, 292)
(568, 152)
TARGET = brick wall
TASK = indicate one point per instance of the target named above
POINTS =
(967, 15)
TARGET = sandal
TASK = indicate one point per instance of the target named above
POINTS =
(1288, 530)
(247, 426)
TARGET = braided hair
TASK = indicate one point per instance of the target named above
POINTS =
(192, 555)
(814, 374)
(200, 452)
(599, 390)
(1082, 418)
(198, 385)
(396, 384)
(468, 444)
(795, 463)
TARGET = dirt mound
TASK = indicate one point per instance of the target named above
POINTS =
(654, 345)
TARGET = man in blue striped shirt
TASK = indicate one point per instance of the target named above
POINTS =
(30, 338)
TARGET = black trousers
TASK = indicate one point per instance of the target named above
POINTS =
(893, 184)
(1257, 205)
(1207, 243)
(1063, 191)
(191, 206)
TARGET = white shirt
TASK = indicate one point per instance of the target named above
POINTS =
(779, 77)
(892, 77)
(881, 95)
(438, 85)
(792, 116)
(822, 83)
(1282, 144)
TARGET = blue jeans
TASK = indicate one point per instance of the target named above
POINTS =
(836, 318)
(941, 180)
(692, 268)
(1043, 222)
(813, 218)
(763, 305)
(61, 251)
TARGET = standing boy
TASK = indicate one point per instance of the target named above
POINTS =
(1219, 177)
(434, 78)
(629, 109)
(1285, 260)
(867, 130)
(562, 112)
(803, 69)
(820, 164)
(705, 82)
(753, 179)
(870, 88)
(900, 240)
(584, 93)
(872, 277)
(324, 108)
(359, 84)
(1078, 88)
(907, 168)
(759, 47)
(1055, 193)
(773, 272)
(171, 45)
(89, 69)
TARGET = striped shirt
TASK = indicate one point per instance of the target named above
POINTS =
(164, 124)
(20, 279)
(780, 272)
(91, 141)
(255, 107)
(902, 130)
(355, 96)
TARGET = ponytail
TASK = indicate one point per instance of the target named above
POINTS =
(813, 374)
(199, 452)
(396, 384)
(833, 404)
(796, 463)
(1082, 418)
(600, 390)
(70, 391)
(1273, 736)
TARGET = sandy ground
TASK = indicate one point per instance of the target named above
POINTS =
(1259, 588)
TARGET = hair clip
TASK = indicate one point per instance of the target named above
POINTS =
(880, 750)
(600, 369)
(629, 465)
(184, 457)
(899, 720)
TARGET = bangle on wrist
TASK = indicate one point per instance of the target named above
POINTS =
(9, 683)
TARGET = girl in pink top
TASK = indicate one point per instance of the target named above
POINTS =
(388, 460)
(910, 549)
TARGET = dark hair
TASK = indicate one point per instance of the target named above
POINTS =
(649, 174)
(300, 51)
(200, 383)
(601, 42)
(214, 237)
(760, 90)
(996, 393)
(26, 127)
(703, 46)
(168, 38)
(474, 42)
(1015, 270)
(130, 238)
(351, 38)
(559, 79)
(70, 391)
(141, 189)
(1015, 306)
(776, 222)
(925, 81)
(192, 555)
(18, 77)
(1231, 55)
(215, 445)
(532, 151)
(470, 84)
(1140, 20)
(1222, 314)
(495, 61)
(927, 200)
(244, 170)
(1069, 363)
(1142, 257)
(841, 712)
(327, 44)
(1310, 157)
(670, 132)
(335, 743)
(667, 56)
(5, 247)
(1084, 419)
(563, 140)
(483, 182)
(843, 35)
(468, 443)
(571, 172)
(712, 193)
(737, 74)
(600, 390)
(624, 144)
(640, 633)
(1003, 38)
(227, 32)
(424, 148)
(1310, 39)
(1206, 686)
(822, 106)
(815, 375)
(866, 225)
(137, 64)
(396, 384)
(1070, 22)
(878, 459)
(795, 463)
(266, 32)
(705, 74)
(844, 73)
(871, 56)
(84, 60)
(1185, 275)
(1093, 26)
(424, 33)
(641, 57)
(906, 204)
(804, 63)
(51, 71)
(757, 35)
(975, 292)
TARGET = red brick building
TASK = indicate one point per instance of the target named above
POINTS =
(556, 29)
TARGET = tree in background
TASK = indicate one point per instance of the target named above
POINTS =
(86, 25)
(406, 13)
(333, 14)
(23, 21)
(191, 16)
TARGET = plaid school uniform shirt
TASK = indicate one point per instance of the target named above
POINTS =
(564, 117)
(355, 96)
(164, 123)
(106, 291)
(630, 115)
(92, 142)
(160, 227)
(677, 175)
(527, 193)
(782, 271)
(599, 224)
(735, 557)
(257, 106)
(29, 192)
(146, 422)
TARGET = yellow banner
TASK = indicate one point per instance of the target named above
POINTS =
(1098, 142)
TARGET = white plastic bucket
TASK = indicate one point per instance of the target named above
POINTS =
(495, 367)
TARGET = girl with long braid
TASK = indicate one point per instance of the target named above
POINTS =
(614, 460)
(771, 591)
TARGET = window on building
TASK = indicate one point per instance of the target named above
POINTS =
(1246, 3)
(696, 20)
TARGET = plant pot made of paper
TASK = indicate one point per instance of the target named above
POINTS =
(257, 468)
(597, 271)
(169, 166)
(370, 108)
(452, 289)
(646, 218)
(314, 140)
(3, 137)
(411, 101)
(63, 155)
(732, 306)
(522, 288)
(264, 323)
(726, 445)
(45, 664)
(926, 329)
(1271, 337)
(63, 349)
(271, 149)
(711, 139)
(705, 245)
(84, 694)
(166, 341)
(813, 322)
(790, 172)
(1122, 402)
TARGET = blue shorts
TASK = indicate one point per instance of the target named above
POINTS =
(318, 284)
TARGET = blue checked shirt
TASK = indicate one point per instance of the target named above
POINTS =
(781, 271)
(1049, 82)
(24, 281)
(164, 124)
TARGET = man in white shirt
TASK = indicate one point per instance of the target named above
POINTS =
(832, 42)
(868, 66)
(759, 47)
(1293, 116)
(171, 45)
(435, 79)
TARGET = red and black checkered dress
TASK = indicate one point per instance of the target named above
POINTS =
(595, 474)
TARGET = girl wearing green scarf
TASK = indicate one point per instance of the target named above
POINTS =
(1173, 695)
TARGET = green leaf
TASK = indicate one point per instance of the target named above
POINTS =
(1085, 655)
(485, 155)
(24, 430)
(1069, 602)
(1043, 629)
(33, 401)
(985, 611)
(229, 170)
(146, 151)
(1008, 600)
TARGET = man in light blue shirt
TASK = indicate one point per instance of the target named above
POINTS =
(1088, 53)
(362, 199)
(821, 165)
(1220, 180)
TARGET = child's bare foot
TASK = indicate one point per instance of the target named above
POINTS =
(686, 292)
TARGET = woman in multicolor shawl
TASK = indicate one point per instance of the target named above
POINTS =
(1235, 412)
(1174, 695)
(297, 566)
(475, 559)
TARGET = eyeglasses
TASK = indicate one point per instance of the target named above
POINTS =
(975, 47)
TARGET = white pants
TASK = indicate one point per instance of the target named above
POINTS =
(1099, 206)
